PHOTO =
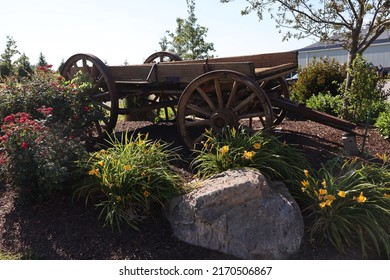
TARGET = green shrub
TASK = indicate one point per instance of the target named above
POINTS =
(366, 96)
(326, 103)
(129, 178)
(238, 148)
(383, 123)
(350, 204)
(319, 76)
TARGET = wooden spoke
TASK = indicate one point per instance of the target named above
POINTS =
(206, 98)
(218, 91)
(196, 109)
(245, 102)
(232, 95)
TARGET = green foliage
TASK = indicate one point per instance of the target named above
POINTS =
(237, 148)
(188, 41)
(350, 204)
(326, 103)
(42, 61)
(322, 76)
(383, 123)
(23, 67)
(129, 178)
(365, 93)
(6, 63)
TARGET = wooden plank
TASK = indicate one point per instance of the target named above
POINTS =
(259, 60)
(187, 72)
(131, 72)
(274, 71)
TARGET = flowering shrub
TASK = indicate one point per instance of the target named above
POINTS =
(235, 148)
(129, 178)
(46, 95)
(35, 158)
(350, 204)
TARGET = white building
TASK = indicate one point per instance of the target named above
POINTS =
(378, 53)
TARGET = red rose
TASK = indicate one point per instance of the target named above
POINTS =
(24, 145)
(9, 118)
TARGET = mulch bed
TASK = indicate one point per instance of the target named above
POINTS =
(67, 229)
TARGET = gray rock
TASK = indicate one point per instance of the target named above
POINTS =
(238, 213)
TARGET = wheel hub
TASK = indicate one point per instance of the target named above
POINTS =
(222, 118)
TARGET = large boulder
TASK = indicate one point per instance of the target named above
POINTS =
(239, 213)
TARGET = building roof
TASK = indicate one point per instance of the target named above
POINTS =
(383, 38)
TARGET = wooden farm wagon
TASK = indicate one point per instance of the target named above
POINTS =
(198, 94)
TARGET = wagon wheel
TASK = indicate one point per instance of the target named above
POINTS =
(218, 99)
(275, 88)
(103, 93)
(165, 113)
(162, 57)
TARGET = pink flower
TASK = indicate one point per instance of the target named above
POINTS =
(46, 111)
(24, 145)
(9, 118)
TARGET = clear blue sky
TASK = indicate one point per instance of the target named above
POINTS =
(119, 30)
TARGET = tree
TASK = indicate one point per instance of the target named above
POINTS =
(41, 60)
(6, 64)
(188, 41)
(24, 68)
(354, 24)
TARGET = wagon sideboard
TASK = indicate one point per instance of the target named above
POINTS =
(183, 72)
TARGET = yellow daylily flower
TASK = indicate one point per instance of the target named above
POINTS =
(306, 172)
(224, 150)
(322, 204)
(234, 132)
(248, 155)
(101, 163)
(361, 198)
(127, 167)
(257, 146)
(341, 193)
(94, 172)
(324, 183)
(329, 199)
(387, 195)
(323, 192)
(305, 183)
(146, 193)
(382, 157)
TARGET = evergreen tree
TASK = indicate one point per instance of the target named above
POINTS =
(41, 60)
(6, 64)
(24, 68)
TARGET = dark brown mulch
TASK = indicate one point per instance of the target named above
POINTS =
(67, 229)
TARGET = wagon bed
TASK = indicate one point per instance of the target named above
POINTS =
(197, 94)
